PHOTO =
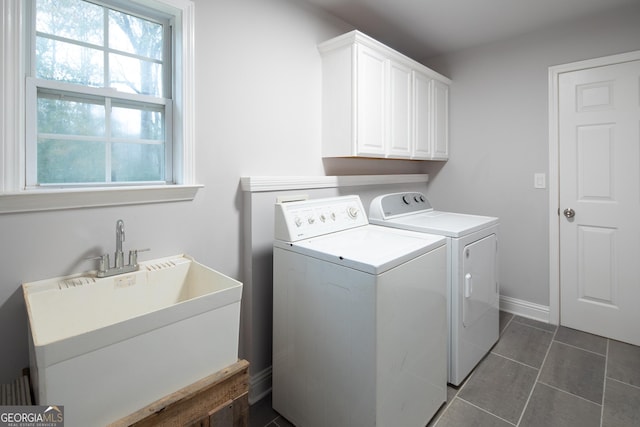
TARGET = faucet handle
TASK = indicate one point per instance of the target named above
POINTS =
(133, 255)
(103, 263)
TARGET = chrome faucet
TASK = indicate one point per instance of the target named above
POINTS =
(119, 262)
(104, 270)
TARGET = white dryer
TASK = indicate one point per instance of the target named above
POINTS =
(472, 272)
(350, 301)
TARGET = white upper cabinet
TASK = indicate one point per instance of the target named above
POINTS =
(379, 103)
(370, 110)
(440, 128)
(422, 108)
(399, 111)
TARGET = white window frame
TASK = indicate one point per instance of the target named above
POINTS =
(15, 196)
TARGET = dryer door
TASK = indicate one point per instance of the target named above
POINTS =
(479, 288)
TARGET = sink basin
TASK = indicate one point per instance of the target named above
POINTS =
(106, 347)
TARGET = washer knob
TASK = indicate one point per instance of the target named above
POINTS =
(406, 199)
(297, 221)
(353, 212)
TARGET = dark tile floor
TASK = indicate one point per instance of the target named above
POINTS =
(536, 375)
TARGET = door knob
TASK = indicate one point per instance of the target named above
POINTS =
(569, 213)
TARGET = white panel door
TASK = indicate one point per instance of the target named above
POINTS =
(599, 152)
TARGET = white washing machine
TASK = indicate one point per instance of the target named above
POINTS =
(350, 301)
(472, 272)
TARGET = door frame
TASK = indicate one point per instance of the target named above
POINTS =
(554, 169)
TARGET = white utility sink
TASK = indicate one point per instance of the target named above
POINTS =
(106, 347)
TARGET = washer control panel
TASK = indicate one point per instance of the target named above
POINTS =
(391, 205)
(310, 218)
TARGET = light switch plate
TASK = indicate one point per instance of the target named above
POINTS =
(539, 180)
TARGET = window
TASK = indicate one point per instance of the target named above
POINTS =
(105, 96)
(98, 96)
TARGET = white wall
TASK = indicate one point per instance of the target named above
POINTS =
(258, 113)
(499, 136)
(259, 216)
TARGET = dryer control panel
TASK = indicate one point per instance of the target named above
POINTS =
(310, 218)
(391, 205)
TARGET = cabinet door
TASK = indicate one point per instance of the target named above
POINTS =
(370, 106)
(440, 121)
(400, 117)
(422, 116)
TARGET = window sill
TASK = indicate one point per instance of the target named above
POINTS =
(56, 199)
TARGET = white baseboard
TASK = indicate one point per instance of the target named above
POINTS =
(525, 308)
(259, 385)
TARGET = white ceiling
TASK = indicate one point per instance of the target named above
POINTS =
(424, 28)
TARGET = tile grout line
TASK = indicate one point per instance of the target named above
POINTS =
(276, 422)
(459, 389)
(584, 349)
(513, 319)
(484, 410)
(517, 361)
(272, 421)
(623, 383)
(462, 385)
(513, 316)
(568, 392)
(534, 326)
(436, 418)
(447, 405)
(604, 385)
(524, 409)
